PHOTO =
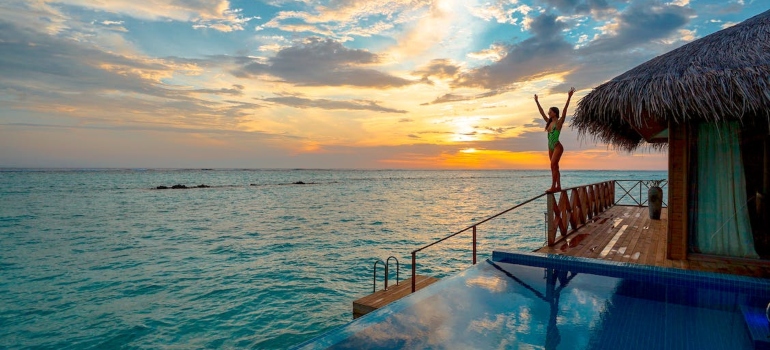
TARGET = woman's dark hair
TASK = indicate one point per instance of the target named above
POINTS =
(555, 110)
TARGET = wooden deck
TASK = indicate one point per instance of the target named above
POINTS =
(627, 234)
(381, 298)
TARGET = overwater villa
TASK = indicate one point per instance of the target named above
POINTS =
(694, 274)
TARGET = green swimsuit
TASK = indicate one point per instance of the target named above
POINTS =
(553, 138)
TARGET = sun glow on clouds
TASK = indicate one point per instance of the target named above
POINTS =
(396, 83)
(444, 29)
(477, 159)
(464, 129)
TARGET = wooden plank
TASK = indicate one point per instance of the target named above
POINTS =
(589, 235)
(646, 246)
(643, 231)
(659, 243)
(629, 222)
(595, 231)
(607, 231)
(633, 242)
(622, 245)
(661, 255)
(652, 249)
(591, 238)
(611, 248)
(381, 298)
(633, 231)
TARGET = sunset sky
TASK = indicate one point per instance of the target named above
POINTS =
(442, 84)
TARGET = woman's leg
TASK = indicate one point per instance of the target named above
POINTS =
(553, 176)
(555, 157)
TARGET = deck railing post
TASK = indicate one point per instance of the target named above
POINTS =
(414, 271)
(550, 216)
(640, 193)
(612, 192)
(474, 244)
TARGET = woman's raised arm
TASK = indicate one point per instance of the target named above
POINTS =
(566, 105)
(541, 109)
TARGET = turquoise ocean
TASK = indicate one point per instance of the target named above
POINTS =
(100, 259)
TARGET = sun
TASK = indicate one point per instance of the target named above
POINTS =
(465, 129)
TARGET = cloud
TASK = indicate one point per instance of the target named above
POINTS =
(545, 52)
(236, 90)
(149, 127)
(344, 18)
(323, 62)
(451, 97)
(642, 31)
(299, 102)
(725, 8)
(499, 130)
(443, 69)
(641, 23)
(578, 6)
(215, 14)
(494, 53)
(444, 26)
(71, 79)
(500, 11)
(728, 25)
(33, 16)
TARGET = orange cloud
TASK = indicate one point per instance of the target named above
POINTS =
(472, 159)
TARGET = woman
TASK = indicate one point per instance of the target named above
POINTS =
(555, 149)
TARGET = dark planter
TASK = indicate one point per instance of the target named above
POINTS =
(655, 200)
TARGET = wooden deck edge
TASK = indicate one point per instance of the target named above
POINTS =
(381, 298)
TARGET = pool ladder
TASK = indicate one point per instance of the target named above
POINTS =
(385, 264)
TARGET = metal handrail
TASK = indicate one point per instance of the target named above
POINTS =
(640, 202)
(374, 278)
(387, 263)
(473, 227)
(627, 192)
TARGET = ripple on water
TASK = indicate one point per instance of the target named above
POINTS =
(105, 262)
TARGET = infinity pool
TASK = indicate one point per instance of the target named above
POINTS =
(554, 302)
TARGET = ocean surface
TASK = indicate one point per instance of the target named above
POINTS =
(102, 259)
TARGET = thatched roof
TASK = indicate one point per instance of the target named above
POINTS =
(723, 76)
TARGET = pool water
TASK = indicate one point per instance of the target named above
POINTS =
(534, 302)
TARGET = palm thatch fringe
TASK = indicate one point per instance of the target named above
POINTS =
(723, 76)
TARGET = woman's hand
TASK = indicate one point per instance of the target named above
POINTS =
(571, 91)
(535, 97)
